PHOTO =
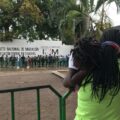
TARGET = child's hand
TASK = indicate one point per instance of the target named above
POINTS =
(77, 87)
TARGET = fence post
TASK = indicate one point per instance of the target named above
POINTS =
(63, 105)
(38, 104)
(60, 108)
(62, 99)
(12, 106)
(63, 109)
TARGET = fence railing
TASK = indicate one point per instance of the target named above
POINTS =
(62, 99)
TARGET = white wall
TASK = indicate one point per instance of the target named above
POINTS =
(38, 47)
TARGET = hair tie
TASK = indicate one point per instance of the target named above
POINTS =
(110, 43)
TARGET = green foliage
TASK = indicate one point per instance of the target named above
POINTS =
(29, 8)
(6, 5)
(76, 21)
(41, 19)
(28, 19)
(101, 2)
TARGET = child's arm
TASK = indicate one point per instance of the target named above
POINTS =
(74, 78)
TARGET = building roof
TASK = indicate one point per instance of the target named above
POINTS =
(116, 27)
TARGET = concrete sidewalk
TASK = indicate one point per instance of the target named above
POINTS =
(59, 73)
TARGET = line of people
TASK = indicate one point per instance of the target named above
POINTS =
(32, 62)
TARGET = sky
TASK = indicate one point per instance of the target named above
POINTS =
(112, 13)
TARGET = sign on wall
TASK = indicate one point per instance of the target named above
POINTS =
(38, 47)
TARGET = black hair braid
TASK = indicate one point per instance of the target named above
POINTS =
(104, 75)
(85, 51)
(107, 77)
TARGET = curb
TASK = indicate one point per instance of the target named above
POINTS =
(57, 73)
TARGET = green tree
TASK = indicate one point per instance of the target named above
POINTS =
(77, 22)
(41, 19)
(18, 18)
(73, 20)
(27, 19)
(101, 24)
(101, 2)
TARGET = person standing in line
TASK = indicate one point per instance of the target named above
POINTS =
(23, 61)
(18, 62)
(2, 61)
(42, 61)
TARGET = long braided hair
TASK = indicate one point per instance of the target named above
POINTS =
(103, 61)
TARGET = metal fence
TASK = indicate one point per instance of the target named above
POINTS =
(62, 100)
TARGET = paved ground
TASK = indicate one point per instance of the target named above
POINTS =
(25, 102)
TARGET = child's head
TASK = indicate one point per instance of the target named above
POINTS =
(86, 51)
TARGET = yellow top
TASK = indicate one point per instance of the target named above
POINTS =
(89, 108)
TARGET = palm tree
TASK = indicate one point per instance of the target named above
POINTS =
(73, 19)
(101, 24)
(101, 2)
(77, 21)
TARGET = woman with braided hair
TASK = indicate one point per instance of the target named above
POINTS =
(96, 71)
